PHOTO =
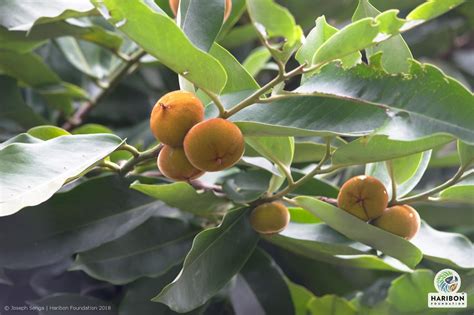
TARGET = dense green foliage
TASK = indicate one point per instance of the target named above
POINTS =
(321, 90)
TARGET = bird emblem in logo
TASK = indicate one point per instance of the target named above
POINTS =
(447, 281)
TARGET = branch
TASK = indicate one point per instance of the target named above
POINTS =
(217, 102)
(425, 195)
(120, 72)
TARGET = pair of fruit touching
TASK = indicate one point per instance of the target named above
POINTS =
(366, 198)
(174, 5)
(192, 146)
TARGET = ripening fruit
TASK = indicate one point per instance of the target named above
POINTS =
(270, 218)
(173, 115)
(174, 4)
(401, 220)
(173, 163)
(363, 196)
(214, 145)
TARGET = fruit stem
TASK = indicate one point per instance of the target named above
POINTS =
(217, 102)
(317, 170)
(460, 175)
(129, 148)
(389, 165)
(142, 156)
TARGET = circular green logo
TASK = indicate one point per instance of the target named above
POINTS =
(447, 281)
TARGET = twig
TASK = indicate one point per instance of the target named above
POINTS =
(121, 71)
(425, 195)
(110, 165)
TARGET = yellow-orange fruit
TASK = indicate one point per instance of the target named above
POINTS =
(173, 163)
(214, 145)
(174, 4)
(401, 220)
(363, 196)
(173, 115)
(270, 218)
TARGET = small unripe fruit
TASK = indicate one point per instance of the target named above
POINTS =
(270, 218)
(173, 163)
(173, 115)
(401, 220)
(214, 145)
(174, 4)
(363, 196)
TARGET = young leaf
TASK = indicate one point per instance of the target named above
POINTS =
(407, 172)
(47, 132)
(98, 211)
(216, 256)
(238, 79)
(316, 38)
(183, 196)
(461, 192)
(273, 21)
(32, 173)
(395, 51)
(150, 250)
(381, 148)
(256, 61)
(161, 40)
(356, 229)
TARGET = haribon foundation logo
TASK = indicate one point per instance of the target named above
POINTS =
(447, 282)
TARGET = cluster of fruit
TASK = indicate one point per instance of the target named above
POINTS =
(192, 145)
(366, 198)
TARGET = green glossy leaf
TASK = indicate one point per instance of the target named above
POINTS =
(381, 148)
(433, 8)
(162, 39)
(73, 304)
(21, 16)
(463, 191)
(331, 305)
(90, 129)
(314, 187)
(245, 187)
(415, 101)
(300, 297)
(466, 153)
(300, 215)
(198, 24)
(318, 35)
(21, 138)
(183, 196)
(69, 222)
(451, 249)
(445, 214)
(32, 173)
(409, 292)
(279, 150)
(239, 35)
(395, 51)
(13, 108)
(256, 61)
(322, 243)
(216, 256)
(150, 250)
(238, 79)
(356, 229)
(407, 172)
(47, 132)
(88, 58)
(260, 279)
(17, 41)
(138, 295)
(272, 21)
